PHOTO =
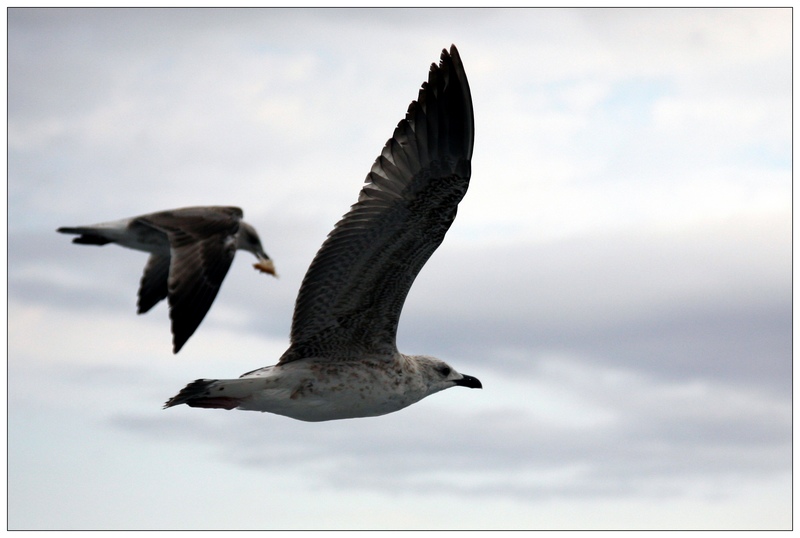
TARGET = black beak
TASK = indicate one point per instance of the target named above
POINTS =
(469, 382)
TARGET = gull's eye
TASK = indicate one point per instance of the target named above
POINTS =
(445, 371)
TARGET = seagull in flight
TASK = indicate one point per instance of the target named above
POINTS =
(343, 360)
(191, 250)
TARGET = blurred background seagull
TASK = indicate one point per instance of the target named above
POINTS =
(343, 360)
(191, 250)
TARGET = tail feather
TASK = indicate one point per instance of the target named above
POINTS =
(207, 393)
(86, 237)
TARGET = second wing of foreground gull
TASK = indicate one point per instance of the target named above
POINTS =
(191, 250)
(343, 360)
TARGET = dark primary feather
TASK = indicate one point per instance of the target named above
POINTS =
(153, 286)
(191, 292)
(352, 295)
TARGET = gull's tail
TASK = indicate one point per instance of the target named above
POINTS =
(86, 235)
(213, 393)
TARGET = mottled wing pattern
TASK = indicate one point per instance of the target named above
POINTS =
(202, 247)
(352, 295)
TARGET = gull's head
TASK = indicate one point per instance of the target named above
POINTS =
(440, 375)
(247, 239)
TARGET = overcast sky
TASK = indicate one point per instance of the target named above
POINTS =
(618, 277)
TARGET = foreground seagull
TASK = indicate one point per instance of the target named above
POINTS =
(343, 361)
(191, 250)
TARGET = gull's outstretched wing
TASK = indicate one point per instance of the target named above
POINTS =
(352, 295)
(202, 246)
